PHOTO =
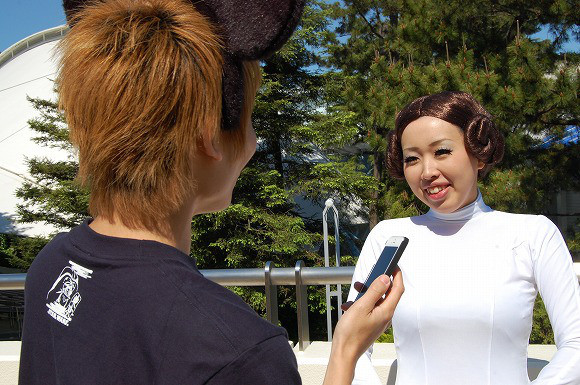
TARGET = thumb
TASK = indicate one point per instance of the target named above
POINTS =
(374, 293)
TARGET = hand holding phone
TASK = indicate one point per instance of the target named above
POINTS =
(387, 261)
(360, 326)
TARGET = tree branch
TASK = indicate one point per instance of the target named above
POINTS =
(369, 24)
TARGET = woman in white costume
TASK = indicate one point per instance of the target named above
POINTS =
(471, 273)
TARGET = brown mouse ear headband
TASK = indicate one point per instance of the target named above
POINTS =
(250, 29)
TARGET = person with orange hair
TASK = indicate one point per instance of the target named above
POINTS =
(158, 96)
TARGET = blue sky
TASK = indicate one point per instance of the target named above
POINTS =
(22, 18)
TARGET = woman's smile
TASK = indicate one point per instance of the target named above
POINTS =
(437, 192)
(437, 166)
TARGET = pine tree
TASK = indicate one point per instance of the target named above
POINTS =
(392, 52)
(387, 53)
(53, 197)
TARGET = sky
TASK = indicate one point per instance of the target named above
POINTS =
(22, 18)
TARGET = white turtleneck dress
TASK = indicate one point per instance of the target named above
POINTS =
(471, 278)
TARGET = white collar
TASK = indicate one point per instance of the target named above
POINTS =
(472, 210)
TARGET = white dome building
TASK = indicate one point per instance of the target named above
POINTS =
(27, 68)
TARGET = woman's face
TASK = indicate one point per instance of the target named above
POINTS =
(437, 166)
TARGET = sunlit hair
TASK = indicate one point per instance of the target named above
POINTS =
(139, 82)
(482, 138)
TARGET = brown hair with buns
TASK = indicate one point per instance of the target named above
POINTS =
(482, 138)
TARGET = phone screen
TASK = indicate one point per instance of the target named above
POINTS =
(380, 267)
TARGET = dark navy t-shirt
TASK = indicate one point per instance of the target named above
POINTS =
(105, 310)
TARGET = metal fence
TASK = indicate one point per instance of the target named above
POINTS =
(270, 277)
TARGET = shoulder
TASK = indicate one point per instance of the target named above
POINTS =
(259, 362)
(227, 322)
(535, 233)
(388, 226)
(377, 237)
(208, 327)
(384, 230)
(530, 225)
(49, 259)
(59, 241)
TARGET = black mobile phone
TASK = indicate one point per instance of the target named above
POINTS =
(387, 261)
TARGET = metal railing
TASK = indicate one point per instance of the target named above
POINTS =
(270, 277)
(32, 41)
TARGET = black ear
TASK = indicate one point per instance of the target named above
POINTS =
(72, 6)
(250, 29)
(253, 29)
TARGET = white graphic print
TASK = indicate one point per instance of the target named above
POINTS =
(64, 297)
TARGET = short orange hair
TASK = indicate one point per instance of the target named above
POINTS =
(139, 82)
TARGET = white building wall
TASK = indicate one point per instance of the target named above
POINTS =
(29, 73)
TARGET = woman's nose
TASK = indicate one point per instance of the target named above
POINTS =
(430, 170)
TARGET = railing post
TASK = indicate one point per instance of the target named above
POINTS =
(301, 308)
(271, 294)
(329, 204)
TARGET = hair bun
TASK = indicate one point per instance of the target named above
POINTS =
(483, 139)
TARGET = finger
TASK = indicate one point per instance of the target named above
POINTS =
(395, 291)
(345, 306)
(395, 271)
(398, 279)
(377, 289)
(358, 286)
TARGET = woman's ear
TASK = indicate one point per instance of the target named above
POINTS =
(480, 164)
(210, 145)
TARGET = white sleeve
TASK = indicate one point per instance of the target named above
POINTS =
(558, 286)
(365, 373)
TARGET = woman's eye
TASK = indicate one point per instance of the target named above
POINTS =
(410, 159)
(442, 151)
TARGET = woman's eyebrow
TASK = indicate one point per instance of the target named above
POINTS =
(432, 144)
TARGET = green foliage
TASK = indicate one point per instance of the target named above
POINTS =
(5, 252)
(541, 329)
(263, 222)
(385, 54)
(24, 250)
(574, 241)
(54, 197)
(19, 252)
(387, 336)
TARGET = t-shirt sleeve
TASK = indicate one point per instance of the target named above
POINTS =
(558, 286)
(269, 362)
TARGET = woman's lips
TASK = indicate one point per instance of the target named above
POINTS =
(437, 192)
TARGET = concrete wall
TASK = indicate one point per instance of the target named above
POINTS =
(311, 362)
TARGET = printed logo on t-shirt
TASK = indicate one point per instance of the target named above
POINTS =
(64, 297)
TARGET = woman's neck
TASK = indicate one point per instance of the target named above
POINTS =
(466, 212)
